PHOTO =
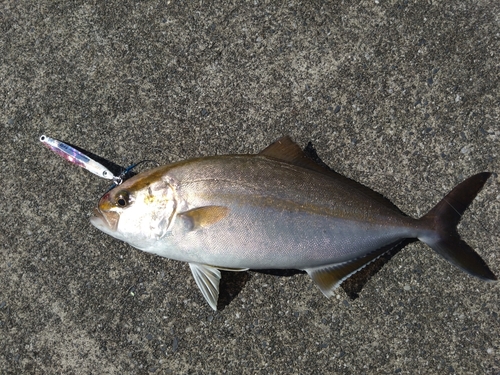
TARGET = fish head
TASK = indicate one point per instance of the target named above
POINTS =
(140, 211)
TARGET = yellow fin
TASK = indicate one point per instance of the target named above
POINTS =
(203, 217)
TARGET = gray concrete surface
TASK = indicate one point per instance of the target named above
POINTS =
(401, 96)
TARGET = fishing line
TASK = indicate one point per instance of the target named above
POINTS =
(118, 180)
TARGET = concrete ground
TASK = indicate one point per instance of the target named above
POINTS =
(400, 96)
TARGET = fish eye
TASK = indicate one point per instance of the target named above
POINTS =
(122, 198)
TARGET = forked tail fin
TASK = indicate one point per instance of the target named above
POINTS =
(441, 223)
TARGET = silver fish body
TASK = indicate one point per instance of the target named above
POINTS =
(274, 210)
(306, 221)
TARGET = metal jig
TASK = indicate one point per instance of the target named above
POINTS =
(74, 156)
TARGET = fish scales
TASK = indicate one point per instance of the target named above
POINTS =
(280, 216)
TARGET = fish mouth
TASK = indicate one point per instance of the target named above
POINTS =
(107, 222)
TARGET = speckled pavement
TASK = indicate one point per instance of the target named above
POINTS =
(400, 96)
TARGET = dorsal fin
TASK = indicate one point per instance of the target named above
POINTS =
(286, 150)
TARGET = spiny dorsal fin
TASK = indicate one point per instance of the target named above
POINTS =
(329, 277)
(203, 217)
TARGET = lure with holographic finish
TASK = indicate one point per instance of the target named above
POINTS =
(74, 156)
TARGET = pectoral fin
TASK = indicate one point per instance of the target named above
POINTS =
(203, 217)
(207, 278)
(329, 277)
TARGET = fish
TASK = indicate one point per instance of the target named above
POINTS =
(277, 209)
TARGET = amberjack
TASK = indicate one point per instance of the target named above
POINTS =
(278, 209)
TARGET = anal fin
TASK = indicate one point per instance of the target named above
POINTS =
(330, 276)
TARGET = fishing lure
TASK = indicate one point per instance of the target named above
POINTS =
(74, 156)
